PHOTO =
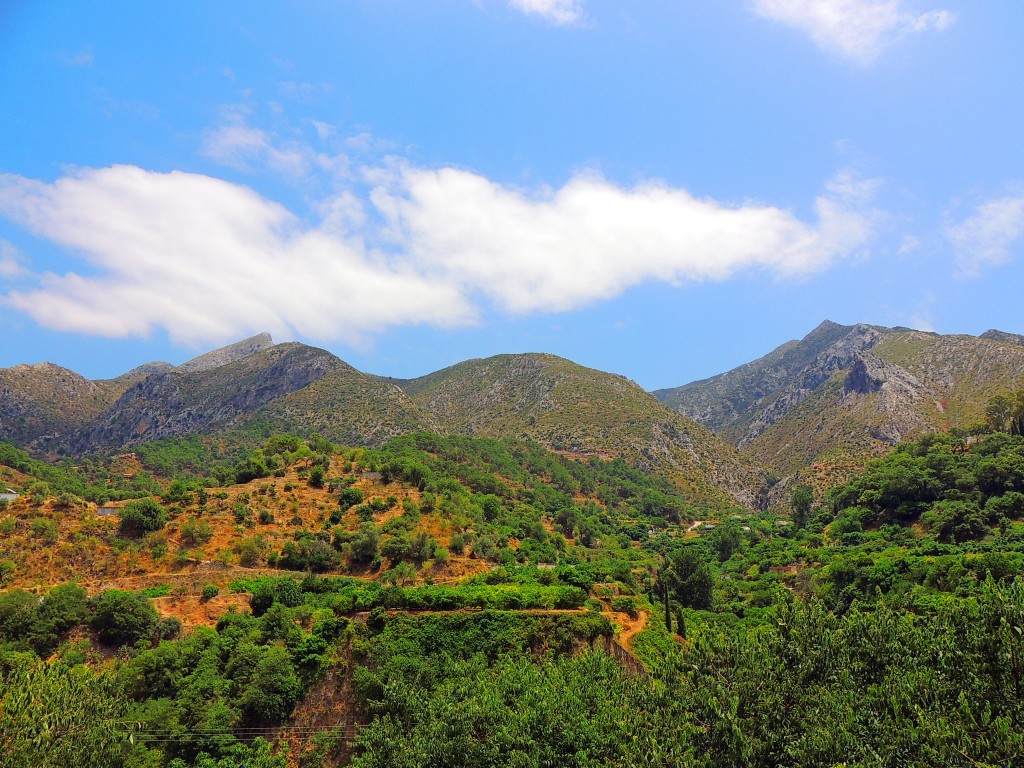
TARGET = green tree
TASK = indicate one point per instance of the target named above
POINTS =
(688, 576)
(122, 617)
(274, 688)
(998, 412)
(142, 516)
(55, 716)
(801, 501)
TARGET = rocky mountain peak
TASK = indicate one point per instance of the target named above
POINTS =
(228, 354)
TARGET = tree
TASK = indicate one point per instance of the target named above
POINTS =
(274, 688)
(143, 516)
(122, 617)
(998, 412)
(52, 716)
(801, 500)
(364, 544)
(689, 577)
(726, 539)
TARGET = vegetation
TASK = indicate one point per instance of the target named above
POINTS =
(456, 598)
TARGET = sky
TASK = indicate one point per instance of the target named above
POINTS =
(664, 190)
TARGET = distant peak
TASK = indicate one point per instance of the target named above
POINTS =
(228, 354)
(1003, 336)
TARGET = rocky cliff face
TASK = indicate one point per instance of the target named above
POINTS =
(177, 402)
(729, 397)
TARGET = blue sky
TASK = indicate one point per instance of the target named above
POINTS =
(660, 189)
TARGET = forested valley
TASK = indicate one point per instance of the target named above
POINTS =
(266, 600)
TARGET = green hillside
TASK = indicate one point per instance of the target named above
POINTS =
(583, 412)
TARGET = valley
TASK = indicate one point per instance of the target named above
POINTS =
(269, 558)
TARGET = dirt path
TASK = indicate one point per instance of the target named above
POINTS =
(631, 626)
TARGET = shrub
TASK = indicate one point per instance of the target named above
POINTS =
(625, 605)
(143, 516)
(350, 497)
(122, 617)
(196, 532)
(44, 529)
(210, 591)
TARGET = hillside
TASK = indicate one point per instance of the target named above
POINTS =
(823, 405)
(42, 404)
(176, 402)
(43, 400)
(583, 412)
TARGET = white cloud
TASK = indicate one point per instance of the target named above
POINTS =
(591, 240)
(986, 237)
(854, 29)
(10, 260)
(210, 261)
(557, 11)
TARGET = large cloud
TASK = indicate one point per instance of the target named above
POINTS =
(854, 29)
(209, 260)
(985, 237)
(591, 240)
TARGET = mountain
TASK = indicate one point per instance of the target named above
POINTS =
(583, 412)
(721, 400)
(283, 386)
(844, 393)
(44, 400)
(228, 354)
(1006, 338)
(40, 404)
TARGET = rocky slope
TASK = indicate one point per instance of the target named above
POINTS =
(42, 401)
(845, 393)
(283, 387)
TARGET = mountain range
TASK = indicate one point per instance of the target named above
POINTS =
(807, 411)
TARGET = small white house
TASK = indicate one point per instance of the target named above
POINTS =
(8, 494)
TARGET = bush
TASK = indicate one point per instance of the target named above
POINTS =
(309, 554)
(196, 532)
(122, 617)
(625, 605)
(143, 516)
(210, 591)
(350, 497)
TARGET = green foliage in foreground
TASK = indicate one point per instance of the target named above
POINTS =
(872, 688)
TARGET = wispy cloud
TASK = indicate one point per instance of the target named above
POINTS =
(83, 58)
(986, 237)
(208, 260)
(236, 143)
(560, 12)
(11, 261)
(859, 30)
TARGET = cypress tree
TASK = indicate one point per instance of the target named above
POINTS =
(668, 611)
